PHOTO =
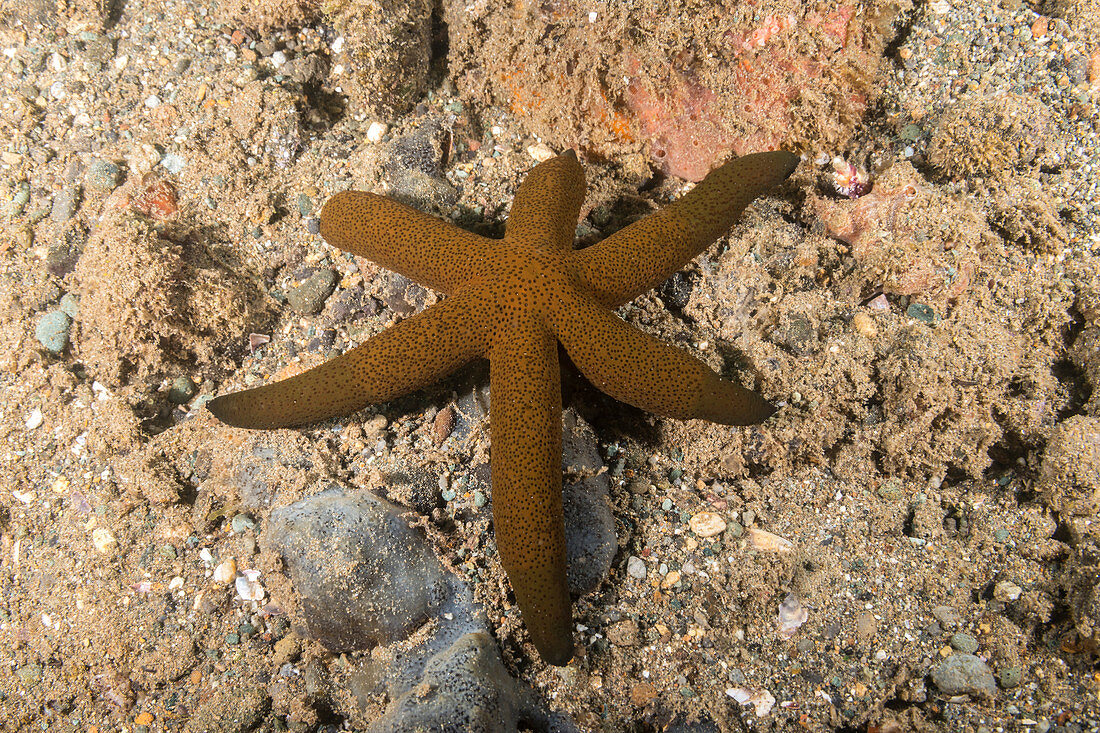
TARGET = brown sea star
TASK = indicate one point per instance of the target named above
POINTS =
(513, 300)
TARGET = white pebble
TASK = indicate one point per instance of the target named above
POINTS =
(57, 90)
(338, 45)
(225, 571)
(376, 131)
(104, 541)
(34, 419)
(707, 524)
(152, 101)
(278, 59)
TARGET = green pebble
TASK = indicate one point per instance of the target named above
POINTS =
(666, 504)
(169, 551)
(687, 692)
(182, 390)
(479, 499)
(241, 523)
(141, 729)
(70, 304)
(449, 494)
(29, 673)
(246, 628)
(1010, 677)
(675, 474)
(52, 331)
(734, 528)
(1001, 535)
(921, 312)
(911, 132)
(232, 639)
(103, 175)
(305, 205)
(20, 199)
(964, 642)
(890, 491)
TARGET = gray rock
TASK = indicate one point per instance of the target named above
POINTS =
(64, 204)
(947, 616)
(103, 175)
(71, 305)
(52, 330)
(964, 674)
(309, 297)
(362, 575)
(466, 688)
(635, 567)
(590, 542)
(963, 642)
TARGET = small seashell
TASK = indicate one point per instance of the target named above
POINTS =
(225, 571)
(761, 700)
(248, 586)
(707, 524)
(768, 542)
(256, 340)
(104, 541)
(792, 614)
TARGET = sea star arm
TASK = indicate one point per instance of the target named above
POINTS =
(637, 369)
(400, 238)
(525, 429)
(548, 202)
(394, 362)
(644, 254)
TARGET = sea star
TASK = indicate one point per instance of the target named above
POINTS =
(513, 300)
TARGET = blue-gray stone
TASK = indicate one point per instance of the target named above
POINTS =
(52, 330)
(964, 674)
(362, 575)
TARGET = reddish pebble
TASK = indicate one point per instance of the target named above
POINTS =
(1040, 27)
(157, 200)
(444, 424)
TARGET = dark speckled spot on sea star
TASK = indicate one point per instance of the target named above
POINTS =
(513, 300)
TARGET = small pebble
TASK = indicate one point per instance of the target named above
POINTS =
(864, 325)
(309, 296)
(963, 642)
(102, 175)
(1010, 677)
(70, 304)
(34, 419)
(1006, 591)
(241, 523)
(707, 524)
(225, 571)
(52, 330)
(64, 204)
(181, 391)
(103, 541)
(964, 674)
(635, 567)
(376, 131)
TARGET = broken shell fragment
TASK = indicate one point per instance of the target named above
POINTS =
(768, 542)
(248, 586)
